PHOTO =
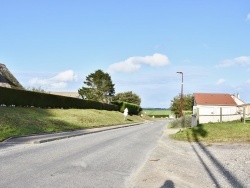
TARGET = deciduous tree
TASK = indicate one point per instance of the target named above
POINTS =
(188, 103)
(129, 97)
(98, 87)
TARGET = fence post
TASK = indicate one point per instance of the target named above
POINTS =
(244, 114)
(220, 114)
(198, 116)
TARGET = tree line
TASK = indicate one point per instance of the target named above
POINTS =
(99, 86)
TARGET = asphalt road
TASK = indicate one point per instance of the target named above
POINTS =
(104, 159)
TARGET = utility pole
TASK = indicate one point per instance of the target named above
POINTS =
(181, 102)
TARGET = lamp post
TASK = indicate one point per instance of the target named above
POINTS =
(181, 102)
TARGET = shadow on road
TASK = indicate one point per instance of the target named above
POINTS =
(168, 184)
(229, 176)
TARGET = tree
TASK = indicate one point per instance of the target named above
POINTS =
(99, 87)
(38, 89)
(129, 97)
(188, 102)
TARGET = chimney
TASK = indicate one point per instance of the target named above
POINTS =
(238, 95)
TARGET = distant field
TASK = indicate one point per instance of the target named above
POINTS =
(157, 112)
(162, 113)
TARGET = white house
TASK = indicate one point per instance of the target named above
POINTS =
(216, 107)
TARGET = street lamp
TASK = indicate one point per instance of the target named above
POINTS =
(181, 102)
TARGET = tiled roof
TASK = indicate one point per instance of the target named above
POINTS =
(216, 99)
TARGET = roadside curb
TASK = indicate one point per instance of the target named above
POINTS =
(42, 138)
(85, 133)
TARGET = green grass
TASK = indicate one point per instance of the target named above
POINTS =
(187, 112)
(157, 112)
(216, 132)
(24, 121)
(162, 112)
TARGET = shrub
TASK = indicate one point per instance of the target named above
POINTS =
(184, 121)
(133, 109)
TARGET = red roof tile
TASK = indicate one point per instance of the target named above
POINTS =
(214, 99)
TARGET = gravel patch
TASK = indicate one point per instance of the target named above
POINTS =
(188, 164)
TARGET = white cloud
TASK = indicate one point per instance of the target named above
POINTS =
(58, 85)
(238, 61)
(220, 81)
(59, 81)
(133, 64)
(248, 17)
(65, 76)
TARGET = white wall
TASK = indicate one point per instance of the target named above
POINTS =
(208, 114)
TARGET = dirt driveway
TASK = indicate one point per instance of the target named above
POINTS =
(183, 164)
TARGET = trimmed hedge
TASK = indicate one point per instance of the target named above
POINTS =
(133, 109)
(10, 96)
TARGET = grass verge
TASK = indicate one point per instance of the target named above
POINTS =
(25, 121)
(216, 132)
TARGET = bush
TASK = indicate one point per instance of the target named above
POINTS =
(184, 121)
(133, 109)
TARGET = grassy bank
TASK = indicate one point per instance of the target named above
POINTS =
(25, 121)
(216, 132)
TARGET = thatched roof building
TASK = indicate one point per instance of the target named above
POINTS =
(7, 79)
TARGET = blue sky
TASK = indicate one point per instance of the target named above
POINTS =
(55, 44)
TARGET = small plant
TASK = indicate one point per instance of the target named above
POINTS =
(184, 121)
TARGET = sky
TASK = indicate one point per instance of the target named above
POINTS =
(55, 44)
